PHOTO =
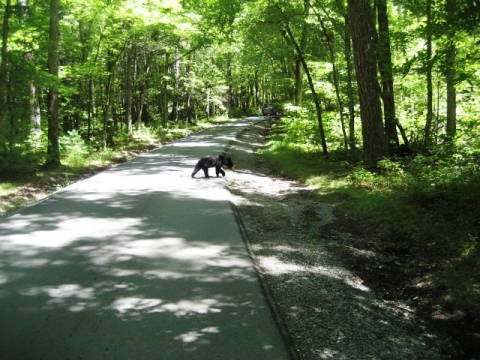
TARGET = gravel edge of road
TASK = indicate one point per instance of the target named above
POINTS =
(266, 206)
(265, 289)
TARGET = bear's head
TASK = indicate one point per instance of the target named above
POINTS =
(228, 161)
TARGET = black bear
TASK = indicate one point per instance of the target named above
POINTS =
(213, 161)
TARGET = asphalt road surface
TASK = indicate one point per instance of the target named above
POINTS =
(137, 262)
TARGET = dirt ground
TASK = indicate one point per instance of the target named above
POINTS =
(295, 239)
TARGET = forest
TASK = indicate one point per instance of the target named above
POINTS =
(386, 93)
(363, 80)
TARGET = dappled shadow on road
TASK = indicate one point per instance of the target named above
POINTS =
(140, 261)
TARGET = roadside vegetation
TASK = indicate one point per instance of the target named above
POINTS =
(428, 205)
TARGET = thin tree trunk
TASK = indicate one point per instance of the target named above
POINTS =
(451, 91)
(289, 37)
(165, 90)
(34, 106)
(53, 149)
(129, 88)
(230, 101)
(176, 86)
(351, 100)
(91, 94)
(428, 122)
(108, 121)
(257, 90)
(386, 75)
(298, 63)
(188, 100)
(207, 105)
(329, 41)
(4, 74)
(450, 69)
(91, 106)
(143, 95)
(108, 109)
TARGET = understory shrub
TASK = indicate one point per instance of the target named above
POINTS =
(73, 149)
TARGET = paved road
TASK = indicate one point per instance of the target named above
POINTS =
(138, 262)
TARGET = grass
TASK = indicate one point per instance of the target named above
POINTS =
(435, 214)
(7, 188)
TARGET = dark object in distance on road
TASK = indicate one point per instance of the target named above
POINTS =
(271, 109)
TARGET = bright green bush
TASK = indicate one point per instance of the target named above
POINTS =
(73, 149)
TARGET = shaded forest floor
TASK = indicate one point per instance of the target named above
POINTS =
(385, 264)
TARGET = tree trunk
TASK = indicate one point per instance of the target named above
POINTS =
(386, 75)
(91, 107)
(451, 92)
(298, 82)
(298, 63)
(257, 90)
(92, 113)
(362, 29)
(142, 99)
(230, 101)
(176, 86)
(450, 70)
(329, 41)
(108, 108)
(429, 63)
(188, 99)
(53, 149)
(129, 88)
(207, 105)
(3, 74)
(351, 100)
(165, 90)
(34, 104)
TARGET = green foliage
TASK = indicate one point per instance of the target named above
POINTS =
(300, 129)
(73, 149)
(14, 165)
(24, 158)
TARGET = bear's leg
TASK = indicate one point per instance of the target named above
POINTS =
(219, 171)
(205, 170)
(195, 171)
